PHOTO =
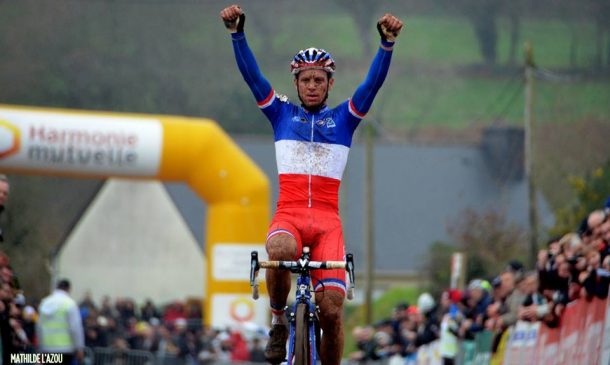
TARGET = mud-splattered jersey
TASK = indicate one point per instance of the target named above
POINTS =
(311, 147)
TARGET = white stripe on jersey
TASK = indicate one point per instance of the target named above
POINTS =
(269, 102)
(311, 158)
(323, 284)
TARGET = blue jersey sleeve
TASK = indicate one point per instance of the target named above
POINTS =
(260, 87)
(361, 101)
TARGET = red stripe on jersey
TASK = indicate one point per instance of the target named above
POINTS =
(354, 111)
(263, 103)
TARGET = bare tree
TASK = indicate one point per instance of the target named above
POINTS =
(514, 10)
(488, 239)
(601, 14)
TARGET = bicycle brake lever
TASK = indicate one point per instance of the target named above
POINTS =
(349, 261)
(254, 267)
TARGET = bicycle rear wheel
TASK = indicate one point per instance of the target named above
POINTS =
(301, 337)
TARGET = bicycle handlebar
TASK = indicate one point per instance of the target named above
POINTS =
(288, 265)
(303, 264)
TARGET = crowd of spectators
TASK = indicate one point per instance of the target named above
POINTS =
(176, 332)
(575, 265)
(17, 320)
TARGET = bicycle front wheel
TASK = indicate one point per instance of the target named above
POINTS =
(301, 336)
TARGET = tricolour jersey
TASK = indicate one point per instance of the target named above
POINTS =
(311, 147)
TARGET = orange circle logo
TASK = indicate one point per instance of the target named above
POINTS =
(242, 310)
(10, 137)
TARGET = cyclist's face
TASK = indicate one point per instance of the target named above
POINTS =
(313, 87)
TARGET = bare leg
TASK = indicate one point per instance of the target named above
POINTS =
(279, 247)
(331, 322)
(282, 246)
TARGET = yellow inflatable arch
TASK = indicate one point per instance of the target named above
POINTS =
(195, 151)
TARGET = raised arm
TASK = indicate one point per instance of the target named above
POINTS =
(389, 27)
(234, 19)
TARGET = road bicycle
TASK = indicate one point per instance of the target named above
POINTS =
(304, 337)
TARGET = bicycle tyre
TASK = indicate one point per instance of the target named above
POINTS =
(301, 336)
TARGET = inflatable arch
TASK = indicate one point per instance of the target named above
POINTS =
(197, 152)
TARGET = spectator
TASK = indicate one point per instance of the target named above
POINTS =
(149, 311)
(167, 344)
(60, 329)
(239, 348)
(428, 324)
(595, 279)
(534, 306)
(6, 330)
(29, 322)
(4, 193)
(365, 345)
(106, 309)
(87, 302)
(476, 300)
(517, 268)
(451, 317)
(173, 312)
(257, 352)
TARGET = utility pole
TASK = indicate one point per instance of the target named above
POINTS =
(528, 117)
(369, 259)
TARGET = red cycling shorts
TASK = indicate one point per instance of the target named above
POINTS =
(321, 230)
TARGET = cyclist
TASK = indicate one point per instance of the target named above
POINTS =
(312, 143)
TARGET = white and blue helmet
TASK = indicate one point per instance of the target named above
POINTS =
(312, 58)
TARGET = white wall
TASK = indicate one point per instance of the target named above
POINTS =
(132, 242)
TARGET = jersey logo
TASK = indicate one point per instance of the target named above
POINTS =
(328, 122)
(298, 119)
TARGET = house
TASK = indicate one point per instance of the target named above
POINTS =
(132, 242)
(147, 233)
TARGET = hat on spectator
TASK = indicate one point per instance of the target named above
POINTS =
(515, 266)
(486, 285)
(412, 309)
(475, 284)
(454, 295)
(20, 299)
(496, 282)
(29, 312)
(425, 302)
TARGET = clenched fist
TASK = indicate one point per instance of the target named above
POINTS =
(389, 27)
(234, 18)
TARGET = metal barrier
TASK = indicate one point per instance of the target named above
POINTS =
(110, 356)
(170, 359)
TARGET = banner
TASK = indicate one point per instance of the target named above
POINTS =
(477, 352)
(521, 344)
(101, 144)
(582, 338)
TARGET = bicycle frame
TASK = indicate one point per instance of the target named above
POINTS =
(304, 290)
(303, 296)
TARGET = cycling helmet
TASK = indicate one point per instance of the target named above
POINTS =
(312, 58)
